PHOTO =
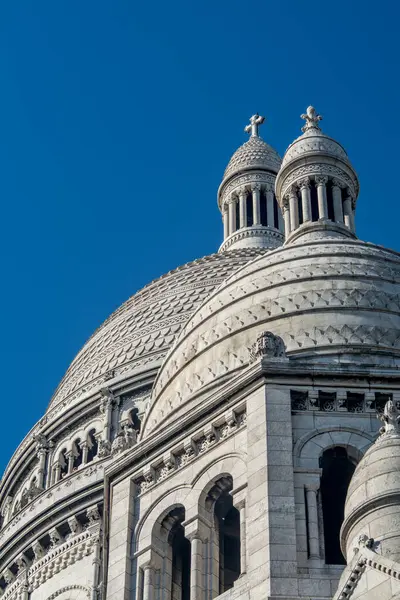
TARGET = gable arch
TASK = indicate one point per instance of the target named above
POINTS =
(159, 509)
(309, 448)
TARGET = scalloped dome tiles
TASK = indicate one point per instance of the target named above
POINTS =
(142, 330)
(253, 154)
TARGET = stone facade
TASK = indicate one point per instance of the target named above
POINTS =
(202, 442)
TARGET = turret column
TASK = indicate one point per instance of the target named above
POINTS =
(348, 211)
(322, 201)
(286, 217)
(306, 199)
(294, 208)
(255, 189)
(337, 201)
(270, 207)
(226, 222)
(232, 215)
(242, 208)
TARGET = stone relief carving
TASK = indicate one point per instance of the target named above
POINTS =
(268, 345)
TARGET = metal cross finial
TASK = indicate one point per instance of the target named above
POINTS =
(255, 121)
(391, 419)
(311, 118)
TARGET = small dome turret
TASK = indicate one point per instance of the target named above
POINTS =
(373, 499)
(246, 196)
(316, 186)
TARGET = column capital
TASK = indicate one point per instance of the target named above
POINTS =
(337, 183)
(312, 486)
(292, 191)
(305, 183)
(321, 180)
(255, 187)
(242, 193)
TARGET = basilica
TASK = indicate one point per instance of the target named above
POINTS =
(232, 430)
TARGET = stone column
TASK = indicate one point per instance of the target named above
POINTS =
(242, 208)
(70, 457)
(56, 472)
(232, 215)
(148, 583)
(255, 189)
(348, 211)
(196, 568)
(106, 407)
(281, 225)
(312, 512)
(225, 221)
(42, 449)
(306, 199)
(198, 532)
(270, 206)
(294, 208)
(337, 201)
(322, 201)
(85, 450)
(286, 217)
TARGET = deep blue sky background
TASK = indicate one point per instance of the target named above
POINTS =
(117, 119)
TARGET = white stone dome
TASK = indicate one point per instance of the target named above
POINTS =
(373, 497)
(330, 299)
(253, 154)
(138, 335)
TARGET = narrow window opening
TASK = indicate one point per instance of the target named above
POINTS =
(314, 202)
(263, 208)
(181, 556)
(63, 463)
(300, 208)
(93, 445)
(228, 519)
(78, 454)
(329, 200)
(249, 209)
(237, 215)
(276, 214)
(337, 470)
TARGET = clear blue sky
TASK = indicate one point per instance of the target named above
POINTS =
(117, 119)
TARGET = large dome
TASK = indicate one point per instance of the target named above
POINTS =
(330, 299)
(139, 333)
(253, 154)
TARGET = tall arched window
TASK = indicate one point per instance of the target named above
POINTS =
(337, 470)
(93, 445)
(178, 553)
(227, 521)
(77, 454)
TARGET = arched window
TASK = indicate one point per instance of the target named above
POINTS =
(178, 553)
(134, 415)
(63, 463)
(337, 470)
(93, 445)
(227, 521)
(77, 454)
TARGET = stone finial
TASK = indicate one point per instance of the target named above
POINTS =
(255, 121)
(311, 118)
(391, 420)
(268, 345)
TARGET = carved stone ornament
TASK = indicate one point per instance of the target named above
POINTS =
(93, 514)
(41, 442)
(391, 420)
(268, 345)
(125, 439)
(311, 118)
(104, 448)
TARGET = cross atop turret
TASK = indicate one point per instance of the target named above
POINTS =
(255, 121)
(311, 118)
